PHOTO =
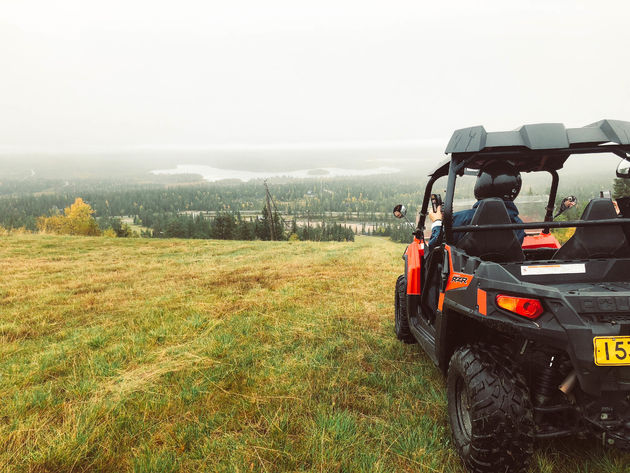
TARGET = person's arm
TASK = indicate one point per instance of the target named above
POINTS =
(436, 226)
(520, 234)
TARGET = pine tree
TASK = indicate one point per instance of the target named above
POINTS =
(621, 188)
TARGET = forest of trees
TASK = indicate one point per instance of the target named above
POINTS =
(157, 213)
(235, 209)
(231, 226)
(360, 198)
(310, 209)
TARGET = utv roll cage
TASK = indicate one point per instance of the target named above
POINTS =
(539, 147)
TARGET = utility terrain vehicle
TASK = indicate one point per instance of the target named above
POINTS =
(534, 338)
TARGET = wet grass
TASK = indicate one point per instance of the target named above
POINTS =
(178, 355)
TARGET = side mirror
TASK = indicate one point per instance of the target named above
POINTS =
(623, 169)
(568, 202)
(400, 211)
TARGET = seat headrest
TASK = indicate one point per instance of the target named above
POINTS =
(596, 242)
(490, 211)
(492, 245)
(599, 209)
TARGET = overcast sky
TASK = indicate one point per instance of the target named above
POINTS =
(153, 74)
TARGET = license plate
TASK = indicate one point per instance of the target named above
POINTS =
(612, 351)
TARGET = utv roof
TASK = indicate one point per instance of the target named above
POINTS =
(541, 145)
(540, 136)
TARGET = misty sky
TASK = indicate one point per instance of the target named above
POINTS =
(154, 74)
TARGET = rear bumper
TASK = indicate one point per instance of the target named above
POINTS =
(579, 306)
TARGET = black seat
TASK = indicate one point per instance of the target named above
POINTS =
(596, 242)
(499, 246)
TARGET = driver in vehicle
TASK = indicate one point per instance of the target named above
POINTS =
(496, 179)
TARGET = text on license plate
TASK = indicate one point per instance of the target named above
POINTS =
(612, 351)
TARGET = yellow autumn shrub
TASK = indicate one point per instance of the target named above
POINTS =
(76, 220)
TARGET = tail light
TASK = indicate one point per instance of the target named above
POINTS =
(530, 308)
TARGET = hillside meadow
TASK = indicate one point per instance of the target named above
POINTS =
(189, 356)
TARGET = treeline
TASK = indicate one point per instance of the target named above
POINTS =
(232, 226)
(361, 198)
(160, 212)
(78, 219)
(401, 233)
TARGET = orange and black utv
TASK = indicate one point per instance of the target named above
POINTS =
(534, 338)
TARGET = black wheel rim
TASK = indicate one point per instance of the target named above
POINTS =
(462, 409)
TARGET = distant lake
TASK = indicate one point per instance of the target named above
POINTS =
(212, 174)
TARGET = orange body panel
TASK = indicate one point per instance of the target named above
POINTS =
(456, 280)
(542, 240)
(441, 301)
(482, 301)
(415, 255)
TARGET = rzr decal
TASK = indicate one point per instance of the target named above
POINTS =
(456, 279)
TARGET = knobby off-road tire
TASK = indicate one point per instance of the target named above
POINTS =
(401, 320)
(490, 411)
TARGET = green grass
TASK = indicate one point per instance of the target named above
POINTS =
(178, 355)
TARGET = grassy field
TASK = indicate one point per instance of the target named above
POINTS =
(178, 355)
